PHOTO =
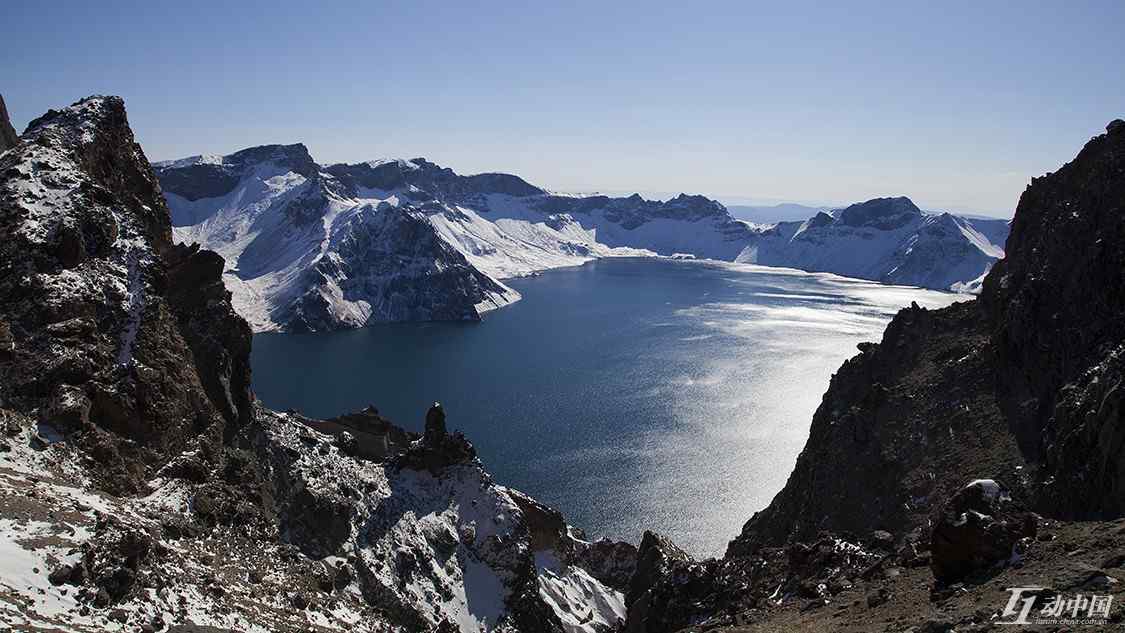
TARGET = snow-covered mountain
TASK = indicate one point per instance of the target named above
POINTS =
(316, 247)
(311, 247)
(886, 239)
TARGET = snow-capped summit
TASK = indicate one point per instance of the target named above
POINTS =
(880, 213)
(306, 250)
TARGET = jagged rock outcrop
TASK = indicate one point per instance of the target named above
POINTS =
(8, 136)
(918, 403)
(655, 558)
(116, 335)
(1057, 308)
(144, 489)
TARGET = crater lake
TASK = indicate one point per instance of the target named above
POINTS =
(631, 394)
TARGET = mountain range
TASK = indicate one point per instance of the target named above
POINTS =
(320, 247)
(312, 247)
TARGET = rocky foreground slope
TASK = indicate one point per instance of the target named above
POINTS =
(142, 488)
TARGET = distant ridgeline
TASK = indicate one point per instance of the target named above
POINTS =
(318, 247)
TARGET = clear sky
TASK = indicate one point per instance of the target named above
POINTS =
(955, 104)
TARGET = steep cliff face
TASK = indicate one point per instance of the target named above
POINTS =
(1057, 308)
(8, 137)
(104, 339)
(141, 488)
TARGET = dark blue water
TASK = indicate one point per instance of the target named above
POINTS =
(631, 394)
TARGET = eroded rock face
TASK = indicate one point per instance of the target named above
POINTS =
(115, 334)
(1056, 303)
(8, 136)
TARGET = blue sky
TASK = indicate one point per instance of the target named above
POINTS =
(955, 104)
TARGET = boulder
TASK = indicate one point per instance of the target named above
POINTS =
(977, 530)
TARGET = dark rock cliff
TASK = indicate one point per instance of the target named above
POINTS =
(114, 333)
(1056, 308)
(8, 137)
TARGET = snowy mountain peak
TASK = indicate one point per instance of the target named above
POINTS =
(884, 213)
(323, 247)
(209, 176)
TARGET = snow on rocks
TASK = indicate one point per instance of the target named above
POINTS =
(430, 545)
(411, 548)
